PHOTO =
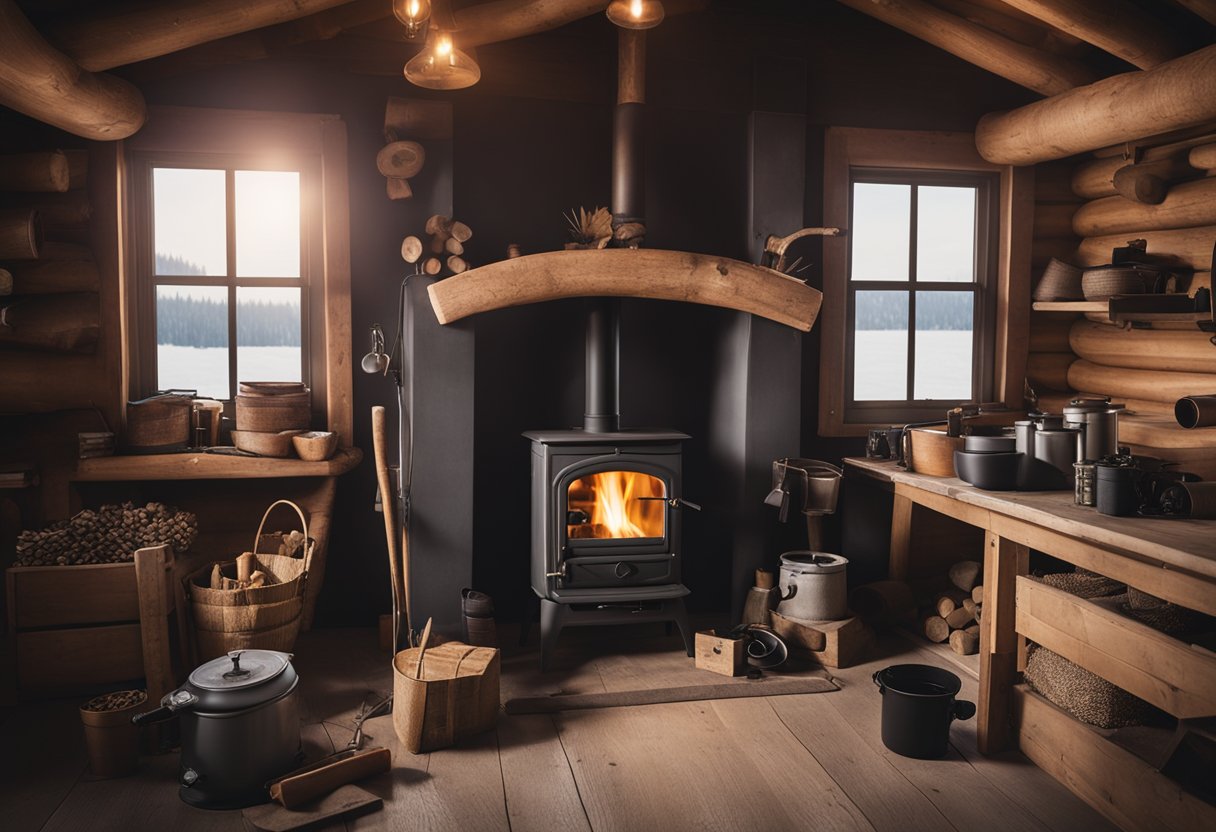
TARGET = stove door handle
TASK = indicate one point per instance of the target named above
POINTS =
(674, 502)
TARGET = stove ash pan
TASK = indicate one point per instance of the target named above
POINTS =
(602, 510)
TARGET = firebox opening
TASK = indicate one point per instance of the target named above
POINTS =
(616, 504)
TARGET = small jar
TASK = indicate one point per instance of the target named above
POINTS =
(1086, 481)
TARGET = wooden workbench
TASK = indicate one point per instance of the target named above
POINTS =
(1173, 559)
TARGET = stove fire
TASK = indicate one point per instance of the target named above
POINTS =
(615, 504)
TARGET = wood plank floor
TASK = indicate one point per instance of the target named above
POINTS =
(804, 762)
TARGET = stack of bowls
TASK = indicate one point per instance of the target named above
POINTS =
(988, 462)
(269, 414)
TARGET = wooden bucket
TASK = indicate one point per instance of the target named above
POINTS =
(271, 407)
(265, 617)
(455, 696)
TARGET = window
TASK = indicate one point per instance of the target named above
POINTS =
(238, 256)
(915, 290)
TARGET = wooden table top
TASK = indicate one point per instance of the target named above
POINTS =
(1183, 543)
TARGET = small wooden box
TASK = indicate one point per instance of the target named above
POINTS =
(75, 627)
(719, 655)
(834, 643)
(456, 696)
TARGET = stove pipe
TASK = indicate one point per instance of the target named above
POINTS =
(602, 413)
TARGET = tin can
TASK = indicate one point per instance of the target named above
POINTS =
(1085, 491)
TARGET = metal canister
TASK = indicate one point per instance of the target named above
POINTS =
(1098, 420)
(1085, 487)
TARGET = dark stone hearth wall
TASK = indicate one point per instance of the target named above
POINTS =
(522, 155)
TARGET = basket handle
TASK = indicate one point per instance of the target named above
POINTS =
(304, 523)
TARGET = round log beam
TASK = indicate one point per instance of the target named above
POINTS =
(1042, 72)
(1151, 385)
(1048, 370)
(1096, 178)
(639, 273)
(46, 171)
(1177, 94)
(501, 20)
(1186, 205)
(43, 83)
(1181, 350)
(1119, 27)
(20, 234)
(53, 277)
(1053, 219)
(1187, 247)
(1203, 157)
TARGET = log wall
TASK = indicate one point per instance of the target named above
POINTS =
(1160, 196)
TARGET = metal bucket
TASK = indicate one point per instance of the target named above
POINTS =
(918, 706)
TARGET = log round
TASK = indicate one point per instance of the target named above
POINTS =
(1177, 94)
(45, 171)
(57, 210)
(1048, 370)
(52, 323)
(54, 277)
(1182, 350)
(1054, 402)
(1049, 333)
(1043, 249)
(43, 83)
(1203, 157)
(1096, 178)
(640, 273)
(1187, 204)
(1119, 27)
(400, 160)
(1188, 247)
(1152, 385)
(1042, 72)
(6, 282)
(20, 234)
(1053, 219)
(1149, 181)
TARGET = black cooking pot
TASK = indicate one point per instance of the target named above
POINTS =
(239, 727)
(918, 706)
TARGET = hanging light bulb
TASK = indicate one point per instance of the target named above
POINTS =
(413, 14)
(439, 65)
(636, 14)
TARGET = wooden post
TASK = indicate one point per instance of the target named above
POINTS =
(901, 537)
(153, 576)
(1004, 560)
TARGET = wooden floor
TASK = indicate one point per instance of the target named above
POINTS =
(802, 762)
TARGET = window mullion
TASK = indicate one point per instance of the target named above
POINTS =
(230, 222)
(910, 389)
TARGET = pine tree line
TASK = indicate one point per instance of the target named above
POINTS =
(203, 322)
(934, 311)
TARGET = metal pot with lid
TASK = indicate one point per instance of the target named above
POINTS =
(1098, 420)
(240, 727)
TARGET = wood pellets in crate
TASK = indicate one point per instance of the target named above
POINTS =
(109, 535)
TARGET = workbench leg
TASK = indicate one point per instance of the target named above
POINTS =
(901, 538)
(1004, 560)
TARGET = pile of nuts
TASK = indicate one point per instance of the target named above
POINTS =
(109, 535)
(116, 701)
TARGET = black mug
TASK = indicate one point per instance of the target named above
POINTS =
(877, 445)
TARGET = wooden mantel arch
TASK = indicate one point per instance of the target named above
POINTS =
(638, 273)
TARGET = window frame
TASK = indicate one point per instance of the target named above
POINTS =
(315, 145)
(982, 289)
(848, 148)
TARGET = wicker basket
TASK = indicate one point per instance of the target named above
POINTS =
(265, 617)
(1105, 282)
(1060, 281)
(273, 406)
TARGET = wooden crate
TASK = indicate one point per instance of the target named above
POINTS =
(841, 643)
(74, 627)
(718, 654)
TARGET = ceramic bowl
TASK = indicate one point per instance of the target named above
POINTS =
(989, 444)
(262, 443)
(992, 471)
(315, 445)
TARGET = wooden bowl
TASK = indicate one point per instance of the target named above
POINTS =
(265, 444)
(315, 445)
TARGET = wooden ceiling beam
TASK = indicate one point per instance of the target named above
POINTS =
(1124, 108)
(509, 19)
(1203, 8)
(108, 36)
(1031, 68)
(1119, 27)
(38, 80)
(1013, 24)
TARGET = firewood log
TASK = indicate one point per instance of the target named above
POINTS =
(432, 265)
(244, 566)
(45, 171)
(935, 628)
(973, 629)
(58, 210)
(960, 618)
(513, 251)
(964, 643)
(1203, 157)
(461, 232)
(970, 606)
(947, 601)
(20, 234)
(439, 224)
(48, 277)
(401, 160)
(965, 574)
(78, 169)
(258, 578)
(398, 188)
(411, 249)
(453, 246)
(217, 577)
(6, 282)
(1149, 182)
(438, 244)
(977, 593)
(457, 264)
(52, 323)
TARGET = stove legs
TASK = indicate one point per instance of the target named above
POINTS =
(554, 617)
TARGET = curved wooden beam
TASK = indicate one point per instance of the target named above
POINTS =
(106, 37)
(637, 273)
(1178, 94)
(1040, 71)
(502, 20)
(43, 83)
(1119, 27)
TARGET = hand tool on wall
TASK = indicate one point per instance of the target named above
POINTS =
(388, 502)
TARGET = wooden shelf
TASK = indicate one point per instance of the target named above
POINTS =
(204, 466)
(1070, 306)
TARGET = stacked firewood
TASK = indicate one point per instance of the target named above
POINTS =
(447, 239)
(955, 613)
(109, 535)
(247, 576)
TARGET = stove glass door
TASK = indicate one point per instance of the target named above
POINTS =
(613, 505)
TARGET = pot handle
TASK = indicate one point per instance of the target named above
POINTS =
(161, 714)
(881, 687)
(963, 709)
(169, 705)
(793, 590)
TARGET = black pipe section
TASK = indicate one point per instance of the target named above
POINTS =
(603, 410)
(628, 179)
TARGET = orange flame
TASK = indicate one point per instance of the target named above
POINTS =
(610, 502)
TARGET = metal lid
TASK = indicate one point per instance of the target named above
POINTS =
(240, 669)
(812, 563)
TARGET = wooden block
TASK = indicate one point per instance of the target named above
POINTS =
(844, 643)
(717, 654)
(346, 801)
(53, 596)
